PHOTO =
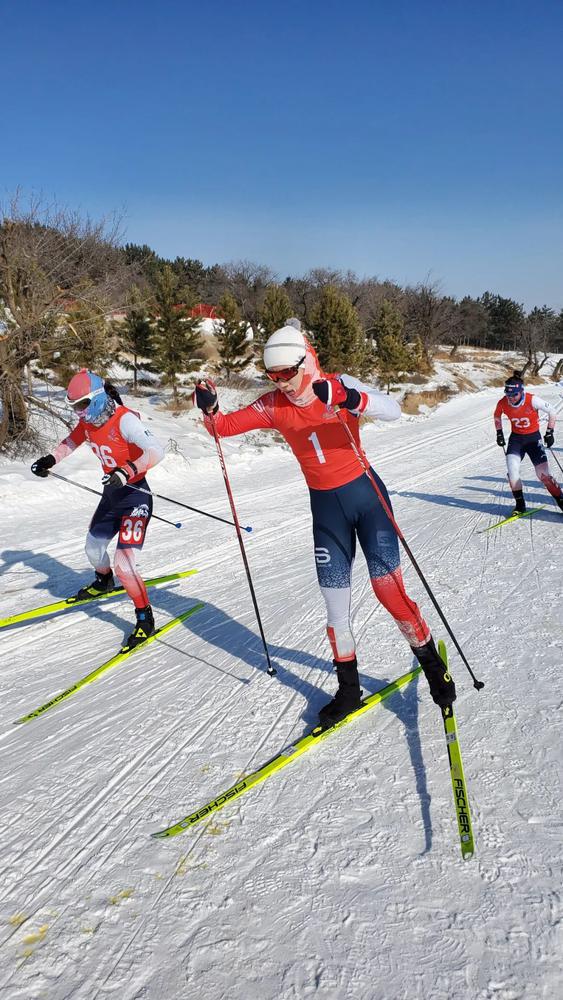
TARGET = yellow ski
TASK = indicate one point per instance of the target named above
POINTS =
(114, 662)
(244, 784)
(461, 799)
(72, 602)
(512, 517)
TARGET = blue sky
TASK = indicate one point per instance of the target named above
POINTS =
(398, 139)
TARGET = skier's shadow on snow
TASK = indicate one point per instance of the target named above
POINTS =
(217, 628)
(61, 582)
(404, 704)
(211, 623)
(499, 506)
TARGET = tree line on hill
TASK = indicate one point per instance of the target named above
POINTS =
(63, 278)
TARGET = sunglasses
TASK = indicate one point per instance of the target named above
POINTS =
(285, 374)
(84, 402)
(513, 391)
(81, 404)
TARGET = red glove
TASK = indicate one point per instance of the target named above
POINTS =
(332, 392)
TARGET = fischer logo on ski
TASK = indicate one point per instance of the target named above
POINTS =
(282, 759)
(461, 800)
(217, 803)
(461, 805)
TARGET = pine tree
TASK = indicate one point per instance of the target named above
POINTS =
(506, 320)
(175, 339)
(419, 357)
(275, 311)
(391, 353)
(233, 345)
(135, 333)
(339, 339)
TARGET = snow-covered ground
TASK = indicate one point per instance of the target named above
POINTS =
(340, 877)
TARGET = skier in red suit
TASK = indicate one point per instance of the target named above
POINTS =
(522, 409)
(344, 505)
(126, 450)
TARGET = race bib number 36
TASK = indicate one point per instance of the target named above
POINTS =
(132, 530)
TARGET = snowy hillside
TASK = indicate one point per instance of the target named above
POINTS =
(340, 877)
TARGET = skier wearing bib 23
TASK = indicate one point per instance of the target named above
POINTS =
(126, 450)
(344, 504)
(522, 409)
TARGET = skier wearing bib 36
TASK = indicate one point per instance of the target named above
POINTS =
(522, 409)
(126, 450)
(344, 504)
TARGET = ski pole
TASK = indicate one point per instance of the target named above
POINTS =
(80, 486)
(553, 455)
(366, 467)
(196, 510)
(271, 669)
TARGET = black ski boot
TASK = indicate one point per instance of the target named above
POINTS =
(347, 698)
(103, 583)
(143, 628)
(442, 687)
(520, 502)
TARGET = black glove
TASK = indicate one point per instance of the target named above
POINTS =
(500, 439)
(42, 465)
(549, 438)
(332, 392)
(206, 396)
(116, 479)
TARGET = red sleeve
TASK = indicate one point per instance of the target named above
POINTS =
(499, 410)
(73, 440)
(77, 435)
(259, 415)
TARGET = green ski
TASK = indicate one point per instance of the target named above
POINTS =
(459, 787)
(114, 662)
(512, 517)
(312, 739)
(72, 602)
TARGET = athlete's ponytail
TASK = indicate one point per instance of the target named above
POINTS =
(113, 393)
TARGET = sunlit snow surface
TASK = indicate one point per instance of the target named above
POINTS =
(341, 877)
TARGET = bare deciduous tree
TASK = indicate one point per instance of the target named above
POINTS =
(248, 283)
(537, 338)
(430, 317)
(51, 261)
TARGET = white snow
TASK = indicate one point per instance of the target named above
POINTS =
(340, 877)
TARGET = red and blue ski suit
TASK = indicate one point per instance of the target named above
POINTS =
(344, 504)
(121, 441)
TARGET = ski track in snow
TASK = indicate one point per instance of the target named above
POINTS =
(341, 876)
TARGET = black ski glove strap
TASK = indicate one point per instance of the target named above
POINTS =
(42, 465)
(206, 396)
(500, 439)
(116, 479)
(549, 437)
(333, 391)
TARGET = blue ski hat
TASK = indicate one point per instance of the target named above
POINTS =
(514, 387)
(87, 396)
